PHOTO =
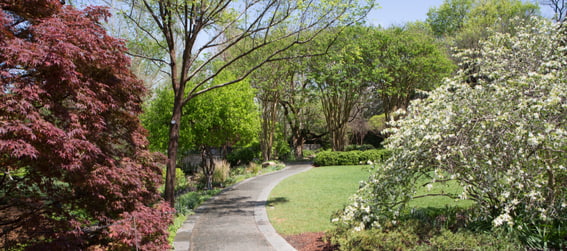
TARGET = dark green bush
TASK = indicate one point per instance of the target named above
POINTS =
(185, 203)
(364, 147)
(414, 235)
(309, 153)
(329, 158)
(243, 156)
(375, 239)
(466, 240)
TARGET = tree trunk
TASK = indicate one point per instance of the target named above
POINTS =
(208, 165)
(172, 153)
(298, 148)
(269, 115)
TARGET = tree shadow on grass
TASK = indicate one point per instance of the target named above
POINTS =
(275, 201)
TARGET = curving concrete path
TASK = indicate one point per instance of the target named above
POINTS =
(236, 219)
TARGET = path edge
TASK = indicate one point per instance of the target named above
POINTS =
(262, 220)
(182, 240)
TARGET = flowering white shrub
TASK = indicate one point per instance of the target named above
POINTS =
(504, 137)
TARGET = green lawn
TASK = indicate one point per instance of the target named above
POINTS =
(450, 187)
(306, 201)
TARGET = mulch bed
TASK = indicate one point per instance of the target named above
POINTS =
(309, 242)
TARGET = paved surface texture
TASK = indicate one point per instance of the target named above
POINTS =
(236, 219)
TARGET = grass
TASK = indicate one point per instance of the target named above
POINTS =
(306, 201)
(450, 187)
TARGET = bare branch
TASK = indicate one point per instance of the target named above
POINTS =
(146, 57)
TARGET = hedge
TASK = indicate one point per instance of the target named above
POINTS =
(329, 158)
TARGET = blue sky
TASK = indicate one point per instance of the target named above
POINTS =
(399, 12)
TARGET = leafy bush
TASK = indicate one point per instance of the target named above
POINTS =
(282, 149)
(359, 147)
(329, 158)
(185, 203)
(544, 235)
(180, 180)
(375, 239)
(466, 240)
(309, 153)
(254, 168)
(425, 229)
(243, 156)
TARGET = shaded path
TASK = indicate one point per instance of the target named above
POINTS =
(236, 219)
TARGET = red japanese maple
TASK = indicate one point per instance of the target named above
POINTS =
(75, 170)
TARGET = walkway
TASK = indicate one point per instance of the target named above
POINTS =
(236, 219)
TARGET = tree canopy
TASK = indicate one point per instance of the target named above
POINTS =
(465, 22)
(75, 169)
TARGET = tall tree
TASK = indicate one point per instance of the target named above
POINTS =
(466, 22)
(407, 59)
(284, 91)
(341, 76)
(449, 17)
(184, 30)
(218, 119)
(75, 170)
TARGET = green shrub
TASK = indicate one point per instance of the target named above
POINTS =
(466, 240)
(364, 147)
(243, 156)
(329, 158)
(309, 153)
(185, 203)
(282, 149)
(544, 235)
(376, 240)
(180, 180)
(254, 168)
(377, 155)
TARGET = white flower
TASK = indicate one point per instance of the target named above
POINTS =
(501, 219)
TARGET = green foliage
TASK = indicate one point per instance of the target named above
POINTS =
(283, 149)
(466, 240)
(359, 147)
(377, 123)
(244, 155)
(180, 180)
(224, 116)
(465, 22)
(332, 158)
(254, 168)
(437, 228)
(449, 17)
(407, 60)
(309, 153)
(371, 240)
(187, 202)
(543, 235)
(355, 157)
